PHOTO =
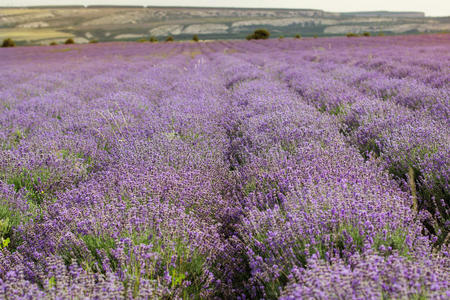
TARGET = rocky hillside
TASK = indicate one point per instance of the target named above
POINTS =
(46, 24)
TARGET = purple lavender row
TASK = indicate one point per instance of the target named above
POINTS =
(302, 191)
(140, 219)
(408, 92)
(370, 277)
(428, 65)
(402, 138)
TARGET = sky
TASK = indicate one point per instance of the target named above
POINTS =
(430, 7)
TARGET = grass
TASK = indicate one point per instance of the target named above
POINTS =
(172, 256)
(289, 146)
(372, 146)
(14, 139)
(192, 54)
(32, 181)
(94, 243)
(87, 160)
(32, 34)
(64, 50)
(189, 136)
(37, 183)
(9, 219)
(345, 237)
(265, 186)
(17, 137)
(337, 110)
(19, 11)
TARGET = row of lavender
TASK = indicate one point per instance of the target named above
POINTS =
(229, 169)
(308, 197)
(109, 174)
(402, 121)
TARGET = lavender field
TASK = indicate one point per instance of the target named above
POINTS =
(292, 169)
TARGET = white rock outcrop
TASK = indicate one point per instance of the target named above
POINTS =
(205, 29)
(128, 36)
(34, 25)
(166, 30)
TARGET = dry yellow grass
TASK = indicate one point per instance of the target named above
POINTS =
(229, 51)
(192, 53)
(19, 11)
(32, 34)
(412, 185)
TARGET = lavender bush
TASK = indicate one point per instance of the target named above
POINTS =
(232, 169)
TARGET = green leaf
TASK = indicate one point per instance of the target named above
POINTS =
(5, 242)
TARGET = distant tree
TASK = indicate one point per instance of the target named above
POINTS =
(259, 34)
(141, 40)
(153, 39)
(8, 43)
(351, 34)
(315, 36)
(281, 37)
(195, 38)
(169, 39)
(366, 33)
(69, 41)
(298, 36)
(381, 34)
(53, 43)
(93, 41)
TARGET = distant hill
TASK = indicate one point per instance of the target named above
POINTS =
(114, 23)
(381, 13)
